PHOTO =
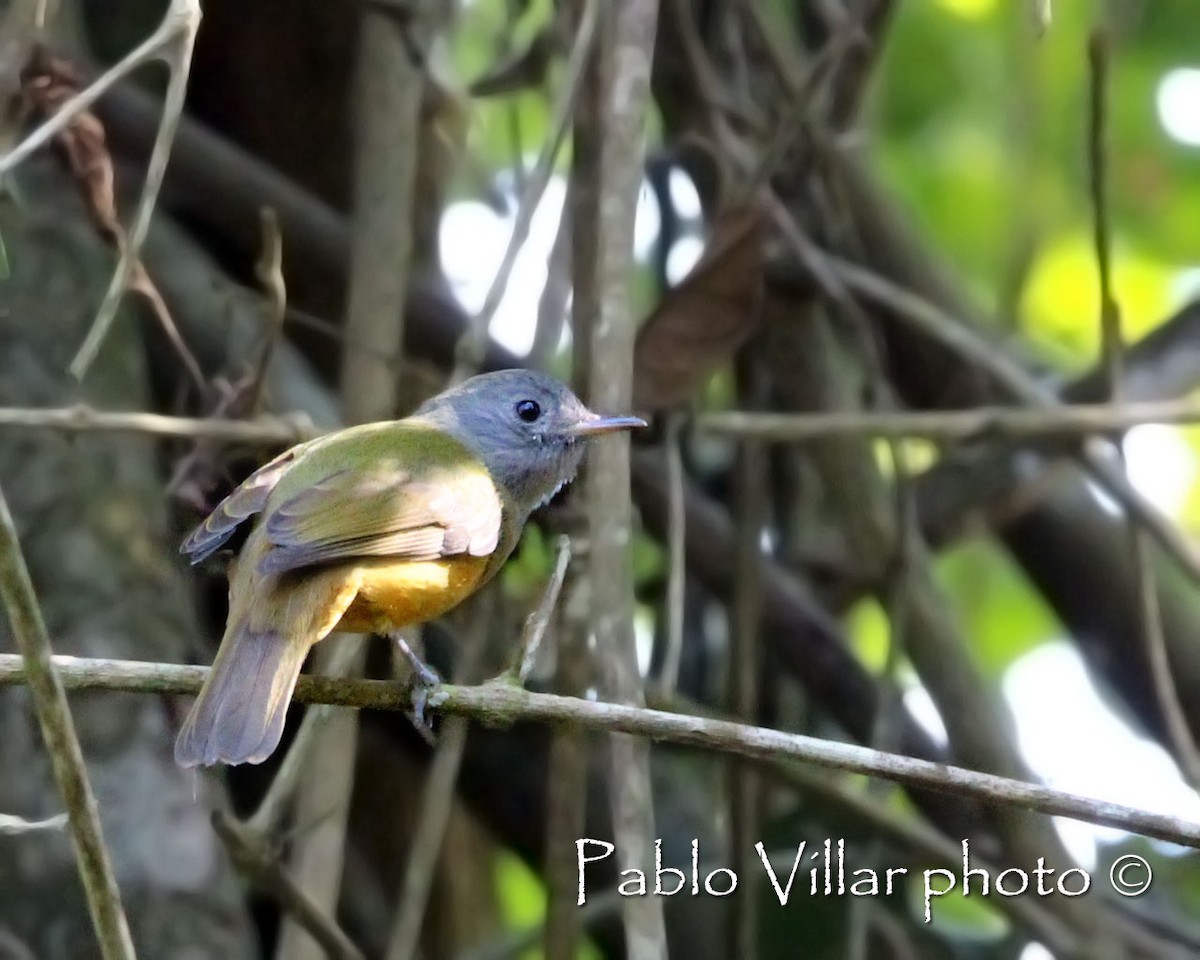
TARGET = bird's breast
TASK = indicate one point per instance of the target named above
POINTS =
(394, 593)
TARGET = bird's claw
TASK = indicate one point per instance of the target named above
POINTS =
(425, 689)
(425, 693)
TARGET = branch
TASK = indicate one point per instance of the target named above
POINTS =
(172, 43)
(973, 423)
(58, 732)
(11, 826)
(266, 870)
(261, 431)
(503, 704)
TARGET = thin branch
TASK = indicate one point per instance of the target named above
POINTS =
(262, 431)
(250, 857)
(473, 344)
(269, 816)
(58, 732)
(437, 799)
(1153, 638)
(322, 799)
(503, 704)
(973, 423)
(11, 826)
(436, 804)
(172, 43)
(538, 620)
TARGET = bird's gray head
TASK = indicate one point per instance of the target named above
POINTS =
(527, 427)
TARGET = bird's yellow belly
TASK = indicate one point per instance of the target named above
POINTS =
(394, 593)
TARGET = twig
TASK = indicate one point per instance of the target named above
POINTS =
(11, 826)
(436, 804)
(437, 800)
(269, 271)
(323, 787)
(269, 816)
(172, 43)
(676, 553)
(552, 305)
(58, 732)
(264, 431)
(976, 422)
(247, 852)
(538, 620)
(473, 343)
(503, 703)
(1174, 720)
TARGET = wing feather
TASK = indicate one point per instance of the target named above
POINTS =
(436, 507)
(249, 498)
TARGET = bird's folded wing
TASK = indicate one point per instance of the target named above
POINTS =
(249, 498)
(385, 511)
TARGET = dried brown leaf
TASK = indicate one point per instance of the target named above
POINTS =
(705, 319)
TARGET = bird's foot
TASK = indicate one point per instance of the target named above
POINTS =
(424, 691)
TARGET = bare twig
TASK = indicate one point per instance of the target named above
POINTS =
(271, 809)
(538, 620)
(1174, 720)
(473, 343)
(247, 852)
(977, 422)
(269, 271)
(58, 732)
(11, 826)
(265, 431)
(437, 800)
(503, 703)
(323, 787)
(172, 43)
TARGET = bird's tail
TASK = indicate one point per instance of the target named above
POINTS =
(238, 716)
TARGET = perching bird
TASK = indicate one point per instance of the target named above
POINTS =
(370, 529)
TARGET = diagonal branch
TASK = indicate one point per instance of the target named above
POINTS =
(58, 731)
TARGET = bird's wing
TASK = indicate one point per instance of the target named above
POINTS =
(417, 504)
(249, 498)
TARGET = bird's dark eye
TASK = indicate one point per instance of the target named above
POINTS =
(528, 410)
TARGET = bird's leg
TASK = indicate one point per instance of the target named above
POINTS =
(425, 681)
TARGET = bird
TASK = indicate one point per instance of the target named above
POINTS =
(370, 529)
